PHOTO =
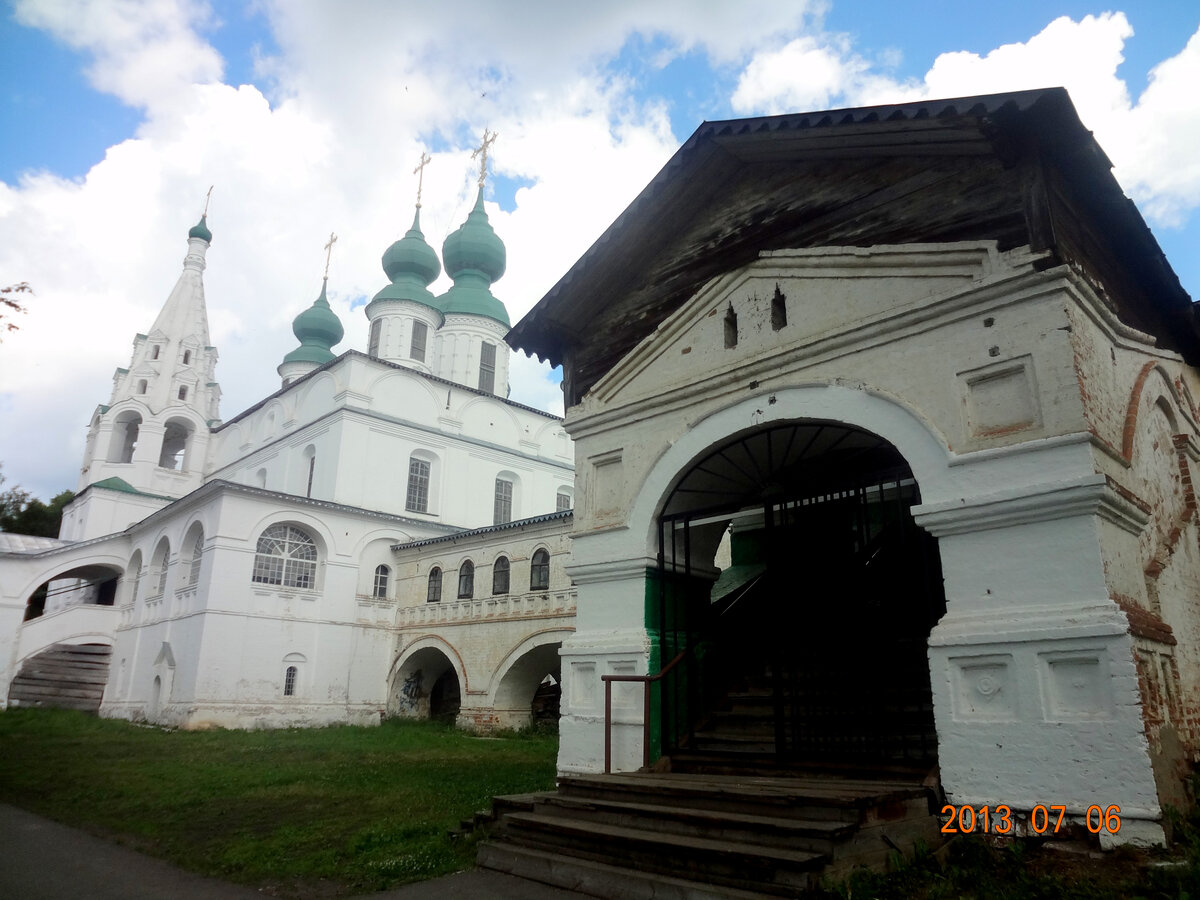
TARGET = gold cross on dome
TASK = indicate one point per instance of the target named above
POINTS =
(329, 251)
(207, 197)
(489, 138)
(419, 171)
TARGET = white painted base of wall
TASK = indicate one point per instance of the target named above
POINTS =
(246, 716)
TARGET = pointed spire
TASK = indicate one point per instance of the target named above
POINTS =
(200, 229)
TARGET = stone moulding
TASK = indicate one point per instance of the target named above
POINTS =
(1090, 495)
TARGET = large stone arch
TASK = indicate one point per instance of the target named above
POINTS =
(519, 675)
(915, 438)
(615, 567)
(426, 679)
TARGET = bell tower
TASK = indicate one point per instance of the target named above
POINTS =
(152, 434)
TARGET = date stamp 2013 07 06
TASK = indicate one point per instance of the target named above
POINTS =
(1042, 819)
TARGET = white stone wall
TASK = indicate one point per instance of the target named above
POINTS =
(500, 645)
(963, 359)
(220, 648)
(363, 421)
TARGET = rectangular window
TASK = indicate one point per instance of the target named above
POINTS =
(502, 509)
(562, 502)
(417, 350)
(373, 340)
(487, 368)
(418, 486)
(778, 309)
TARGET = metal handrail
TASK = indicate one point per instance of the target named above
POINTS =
(646, 680)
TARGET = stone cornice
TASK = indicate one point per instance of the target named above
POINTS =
(1091, 495)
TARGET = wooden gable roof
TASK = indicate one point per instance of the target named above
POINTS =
(1017, 168)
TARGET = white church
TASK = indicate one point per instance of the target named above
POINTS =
(888, 441)
(249, 572)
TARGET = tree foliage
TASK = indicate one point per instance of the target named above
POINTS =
(22, 513)
(10, 305)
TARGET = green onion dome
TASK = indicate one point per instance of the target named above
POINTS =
(475, 246)
(475, 257)
(318, 329)
(200, 230)
(411, 265)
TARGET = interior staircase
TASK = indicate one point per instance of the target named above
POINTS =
(65, 676)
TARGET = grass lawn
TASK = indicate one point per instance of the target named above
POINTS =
(330, 811)
(321, 811)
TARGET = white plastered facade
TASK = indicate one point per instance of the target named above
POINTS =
(966, 360)
(208, 631)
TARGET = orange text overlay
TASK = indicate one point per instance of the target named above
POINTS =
(1041, 819)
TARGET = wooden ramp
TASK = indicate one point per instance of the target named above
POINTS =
(686, 835)
(65, 676)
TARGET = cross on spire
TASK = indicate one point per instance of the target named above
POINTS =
(207, 197)
(489, 138)
(419, 171)
(329, 252)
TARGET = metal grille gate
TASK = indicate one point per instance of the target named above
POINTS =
(832, 619)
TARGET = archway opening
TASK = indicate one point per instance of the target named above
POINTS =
(798, 595)
(83, 585)
(177, 436)
(529, 691)
(426, 686)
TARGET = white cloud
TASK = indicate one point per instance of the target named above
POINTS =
(805, 74)
(1160, 165)
(327, 139)
(1151, 142)
(146, 52)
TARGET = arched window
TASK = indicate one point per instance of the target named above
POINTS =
(434, 593)
(154, 352)
(187, 357)
(380, 588)
(134, 575)
(310, 463)
(466, 580)
(142, 386)
(500, 570)
(286, 556)
(487, 367)
(159, 566)
(503, 504)
(416, 348)
(124, 437)
(293, 663)
(539, 571)
(418, 485)
(176, 436)
(197, 556)
(373, 339)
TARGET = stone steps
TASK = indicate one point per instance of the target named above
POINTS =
(672, 834)
(64, 676)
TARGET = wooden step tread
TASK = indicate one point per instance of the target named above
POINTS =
(599, 879)
(829, 828)
(802, 859)
(821, 790)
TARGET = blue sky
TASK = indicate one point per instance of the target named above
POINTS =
(309, 116)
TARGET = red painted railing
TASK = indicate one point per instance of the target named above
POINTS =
(646, 681)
